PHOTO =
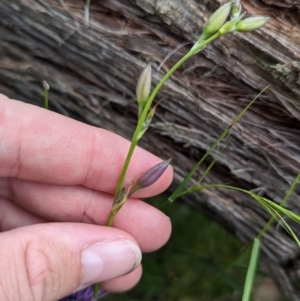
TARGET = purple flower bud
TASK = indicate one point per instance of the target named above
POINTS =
(46, 85)
(84, 295)
(152, 174)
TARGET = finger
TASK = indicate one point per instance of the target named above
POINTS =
(50, 261)
(123, 283)
(12, 216)
(43, 146)
(149, 226)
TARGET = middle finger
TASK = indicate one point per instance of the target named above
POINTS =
(150, 227)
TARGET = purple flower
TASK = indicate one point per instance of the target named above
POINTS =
(84, 295)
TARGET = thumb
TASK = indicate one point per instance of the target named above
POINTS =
(49, 261)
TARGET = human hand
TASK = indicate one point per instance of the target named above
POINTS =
(57, 180)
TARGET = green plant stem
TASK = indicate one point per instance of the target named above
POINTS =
(110, 219)
(46, 99)
(196, 48)
(95, 291)
(251, 270)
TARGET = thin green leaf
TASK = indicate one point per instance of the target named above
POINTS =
(207, 170)
(183, 184)
(284, 201)
(273, 208)
(251, 270)
(280, 219)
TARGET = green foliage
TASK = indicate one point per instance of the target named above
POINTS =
(251, 270)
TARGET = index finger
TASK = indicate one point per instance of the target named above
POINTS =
(43, 146)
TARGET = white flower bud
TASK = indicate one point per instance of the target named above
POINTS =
(235, 9)
(144, 85)
(46, 85)
(217, 19)
(251, 23)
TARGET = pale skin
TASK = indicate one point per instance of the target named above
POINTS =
(57, 180)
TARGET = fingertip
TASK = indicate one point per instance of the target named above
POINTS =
(123, 283)
(49, 261)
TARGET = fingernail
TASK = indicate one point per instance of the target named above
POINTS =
(109, 259)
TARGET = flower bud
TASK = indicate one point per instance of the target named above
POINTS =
(230, 25)
(144, 85)
(217, 19)
(235, 9)
(151, 175)
(251, 23)
(46, 85)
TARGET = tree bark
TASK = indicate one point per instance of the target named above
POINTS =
(92, 63)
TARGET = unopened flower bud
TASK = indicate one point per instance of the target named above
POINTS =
(230, 25)
(46, 85)
(144, 85)
(217, 19)
(235, 9)
(151, 175)
(251, 23)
